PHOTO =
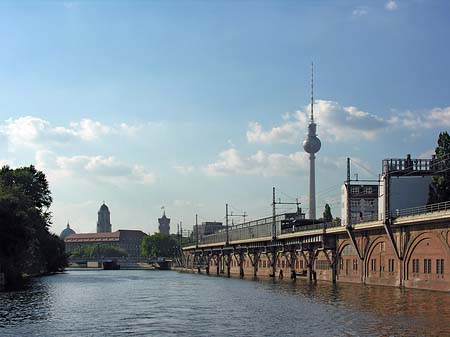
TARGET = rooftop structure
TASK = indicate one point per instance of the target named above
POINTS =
(164, 224)
(404, 183)
(104, 219)
(66, 232)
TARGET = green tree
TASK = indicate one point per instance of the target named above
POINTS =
(159, 245)
(327, 217)
(102, 250)
(440, 184)
(26, 245)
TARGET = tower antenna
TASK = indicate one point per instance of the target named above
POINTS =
(312, 92)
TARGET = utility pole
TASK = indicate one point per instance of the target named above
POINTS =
(196, 229)
(226, 223)
(227, 215)
(274, 215)
(349, 219)
(279, 202)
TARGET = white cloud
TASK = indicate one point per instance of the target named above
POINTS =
(440, 116)
(184, 169)
(182, 203)
(287, 133)
(105, 169)
(5, 162)
(427, 154)
(334, 123)
(34, 132)
(71, 4)
(261, 163)
(360, 11)
(434, 118)
(391, 5)
(88, 129)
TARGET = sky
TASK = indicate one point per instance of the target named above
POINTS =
(189, 105)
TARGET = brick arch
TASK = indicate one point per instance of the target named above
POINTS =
(374, 243)
(342, 245)
(416, 241)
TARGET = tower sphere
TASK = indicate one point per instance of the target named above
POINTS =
(312, 145)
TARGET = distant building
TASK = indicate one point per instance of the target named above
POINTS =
(363, 200)
(207, 228)
(104, 221)
(164, 224)
(66, 232)
(128, 240)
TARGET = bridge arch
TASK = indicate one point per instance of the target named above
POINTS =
(426, 246)
(375, 264)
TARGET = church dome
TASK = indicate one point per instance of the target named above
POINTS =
(66, 232)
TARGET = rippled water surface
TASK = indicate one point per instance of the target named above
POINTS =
(164, 303)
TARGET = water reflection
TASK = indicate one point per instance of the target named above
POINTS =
(26, 306)
(142, 303)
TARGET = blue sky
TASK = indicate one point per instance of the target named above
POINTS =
(193, 104)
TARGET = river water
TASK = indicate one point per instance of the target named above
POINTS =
(167, 303)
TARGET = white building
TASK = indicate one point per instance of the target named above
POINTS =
(363, 203)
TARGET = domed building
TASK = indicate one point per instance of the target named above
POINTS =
(66, 232)
(126, 239)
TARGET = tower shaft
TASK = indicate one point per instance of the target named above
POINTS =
(312, 186)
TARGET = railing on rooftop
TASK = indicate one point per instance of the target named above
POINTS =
(442, 206)
(407, 165)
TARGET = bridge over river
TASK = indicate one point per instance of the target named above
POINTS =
(411, 249)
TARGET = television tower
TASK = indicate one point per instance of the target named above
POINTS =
(312, 146)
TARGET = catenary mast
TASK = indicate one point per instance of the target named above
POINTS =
(312, 146)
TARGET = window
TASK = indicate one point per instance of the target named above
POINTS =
(415, 265)
(355, 264)
(427, 266)
(440, 266)
(368, 189)
(373, 264)
(354, 203)
(321, 264)
(368, 202)
(355, 189)
(391, 265)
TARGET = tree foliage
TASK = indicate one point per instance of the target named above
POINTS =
(159, 245)
(327, 216)
(440, 184)
(26, 245)
(101, 250)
